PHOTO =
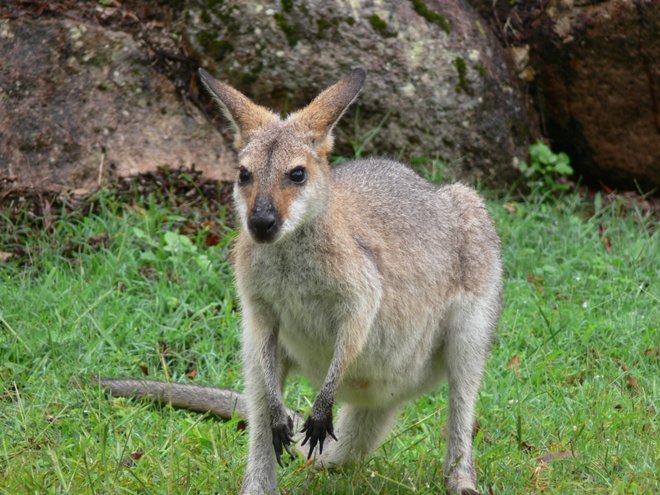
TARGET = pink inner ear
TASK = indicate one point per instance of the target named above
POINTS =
(321, 115)
(244, 114)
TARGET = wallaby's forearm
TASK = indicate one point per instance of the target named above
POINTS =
(220, 402)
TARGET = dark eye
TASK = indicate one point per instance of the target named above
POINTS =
(244, 175)
(298, 175)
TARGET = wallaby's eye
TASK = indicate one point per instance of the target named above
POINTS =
(244, 175)
(298, 175)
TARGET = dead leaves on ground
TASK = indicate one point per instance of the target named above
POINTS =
(543, 467)
(514, 363)
(131, 459)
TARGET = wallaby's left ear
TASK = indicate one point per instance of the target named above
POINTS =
(321, 115)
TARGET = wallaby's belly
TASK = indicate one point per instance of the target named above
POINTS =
(388, 371)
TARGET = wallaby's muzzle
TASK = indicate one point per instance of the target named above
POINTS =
(264, 223)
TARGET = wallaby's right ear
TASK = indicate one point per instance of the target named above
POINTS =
(244, 115)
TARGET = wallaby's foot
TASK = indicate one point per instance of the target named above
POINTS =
(282, 438)
(462, 483)
(315, 429)
(258, 484)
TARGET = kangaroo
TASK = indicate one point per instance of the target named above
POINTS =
(365, 278)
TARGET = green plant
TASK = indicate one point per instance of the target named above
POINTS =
(361, 139)
(545, 167)
(433, 170)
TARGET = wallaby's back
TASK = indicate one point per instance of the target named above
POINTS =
(415, 228)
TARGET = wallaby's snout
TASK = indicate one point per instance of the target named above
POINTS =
(263, 222)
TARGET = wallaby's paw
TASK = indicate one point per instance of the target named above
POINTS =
(315, 431)
(282, 438)
(469, 491)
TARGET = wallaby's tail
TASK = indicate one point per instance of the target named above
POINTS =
(220, 402)
(223, 403)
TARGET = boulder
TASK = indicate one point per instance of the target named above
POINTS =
(79, 103)
(593, 66)
(598, 78)
(437, 85)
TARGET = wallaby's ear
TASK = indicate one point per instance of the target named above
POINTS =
(321, 115)
(244, 115)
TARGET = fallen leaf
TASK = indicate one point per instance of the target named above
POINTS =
(514, 362)
(148, 272)
(510, 207)
(632, 383)
(536, 281)
(4, 256)
(539, 477)
(100, 240)
(527, 446)
(212, 239)
(652, 352)
(49, 417)
(192, 373)
(129, 461)
(606, 240)
(623, 365)
(144, 369)
(554, 456)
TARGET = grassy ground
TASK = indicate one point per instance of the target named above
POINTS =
(568, 405)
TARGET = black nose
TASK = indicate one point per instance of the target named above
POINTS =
(263, 226)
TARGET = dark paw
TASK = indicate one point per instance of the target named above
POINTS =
(469, 491)
(315, 431)
(282, 438)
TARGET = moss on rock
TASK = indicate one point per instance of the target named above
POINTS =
(289, 30)
(438, 19)
(463, 83)
(380, 26)
(214, 47)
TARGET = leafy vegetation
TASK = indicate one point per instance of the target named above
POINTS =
(568, 404)
(545, 167)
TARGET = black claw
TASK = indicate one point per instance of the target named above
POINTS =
(282, 438)
(315, 431)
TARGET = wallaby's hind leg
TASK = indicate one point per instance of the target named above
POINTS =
(359, 432)
(466, 351)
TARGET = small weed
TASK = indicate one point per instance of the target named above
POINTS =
(433, 170)
(362, 138)
(544, 169)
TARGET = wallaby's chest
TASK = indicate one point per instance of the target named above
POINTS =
(306, 300)
(296, 285)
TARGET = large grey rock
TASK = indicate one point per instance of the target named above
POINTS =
(436, 75)
(79, 103)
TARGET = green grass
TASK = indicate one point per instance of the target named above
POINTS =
(573, 371)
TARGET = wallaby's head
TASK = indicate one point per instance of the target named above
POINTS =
(283, 172)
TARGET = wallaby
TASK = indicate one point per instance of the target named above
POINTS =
(365, 278)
